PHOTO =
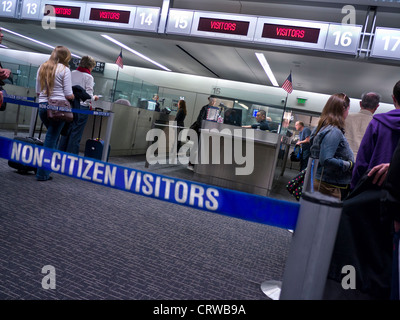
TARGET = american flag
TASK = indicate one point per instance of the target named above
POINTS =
(287, 85)
(119, 61)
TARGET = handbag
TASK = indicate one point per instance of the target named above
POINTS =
(295, 154)
(65, 114)
(295, 186)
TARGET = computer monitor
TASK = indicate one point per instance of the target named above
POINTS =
(233, 117)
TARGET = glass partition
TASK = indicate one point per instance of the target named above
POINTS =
(277, 116)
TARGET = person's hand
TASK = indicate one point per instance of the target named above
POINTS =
(95, 98)
(5, 74)
(298, 143)
(379, 173)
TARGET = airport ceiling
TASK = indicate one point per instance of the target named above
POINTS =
(313, 71)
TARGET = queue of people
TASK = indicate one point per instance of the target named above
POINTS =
(56, 83)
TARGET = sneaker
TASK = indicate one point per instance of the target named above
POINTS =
(190, 167)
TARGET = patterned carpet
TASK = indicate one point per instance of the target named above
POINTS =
(110, 244)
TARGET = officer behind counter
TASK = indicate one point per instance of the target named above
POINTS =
(262, 123)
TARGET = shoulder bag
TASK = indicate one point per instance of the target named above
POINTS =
(63, 114)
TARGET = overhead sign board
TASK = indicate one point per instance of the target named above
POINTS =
(179, 21)
(386, 43)
(285, 32)
(30, 9)
(291, 33)
(343, 38)
(147, 19)
(63, 11)
(8, 8)
(107, 15)
(223, 26)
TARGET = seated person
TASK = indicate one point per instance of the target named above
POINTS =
(262, 123)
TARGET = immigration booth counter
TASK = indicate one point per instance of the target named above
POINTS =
(129, 128)
(249, 166)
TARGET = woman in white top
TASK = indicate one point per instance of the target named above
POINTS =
(82, 77)
(53, 81)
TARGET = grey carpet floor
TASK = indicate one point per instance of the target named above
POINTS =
(110, 244)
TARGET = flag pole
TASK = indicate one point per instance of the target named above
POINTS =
(116, 79)
(115, 86)
(284, 107)
(283, 113)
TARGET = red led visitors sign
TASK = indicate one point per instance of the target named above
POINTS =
(224, 26)
(118, 16)
(292, 33)
(64, 11)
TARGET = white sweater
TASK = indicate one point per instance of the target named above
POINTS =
(62, 84)
(85, 80)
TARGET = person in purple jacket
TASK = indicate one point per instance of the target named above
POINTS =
(379, 141)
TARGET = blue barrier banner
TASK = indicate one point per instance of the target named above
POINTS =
(13, 100)
(11, 96)
(232, 203)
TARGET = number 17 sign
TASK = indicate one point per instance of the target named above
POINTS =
(386, 43)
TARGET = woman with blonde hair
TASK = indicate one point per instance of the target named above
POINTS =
(53, 81)
(330, 146)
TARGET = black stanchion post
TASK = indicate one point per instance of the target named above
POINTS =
(311, 249)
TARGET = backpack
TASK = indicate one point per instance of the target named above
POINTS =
(295, 155)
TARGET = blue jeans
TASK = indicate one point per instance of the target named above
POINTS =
(53, 132)
(70, 142)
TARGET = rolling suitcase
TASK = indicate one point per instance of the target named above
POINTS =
(21, 168)
(94, 147)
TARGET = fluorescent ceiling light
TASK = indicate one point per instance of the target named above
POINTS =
(35, 41)
(244, 106)
(267, 69)
(134, 52)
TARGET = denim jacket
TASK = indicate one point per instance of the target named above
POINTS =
(335, 156)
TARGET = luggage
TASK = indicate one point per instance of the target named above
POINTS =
(94, 147)
(21, 168)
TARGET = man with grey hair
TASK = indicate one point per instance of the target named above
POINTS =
(356, 123)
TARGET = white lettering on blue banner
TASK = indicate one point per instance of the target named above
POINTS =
(232, 203)
(114, 176)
